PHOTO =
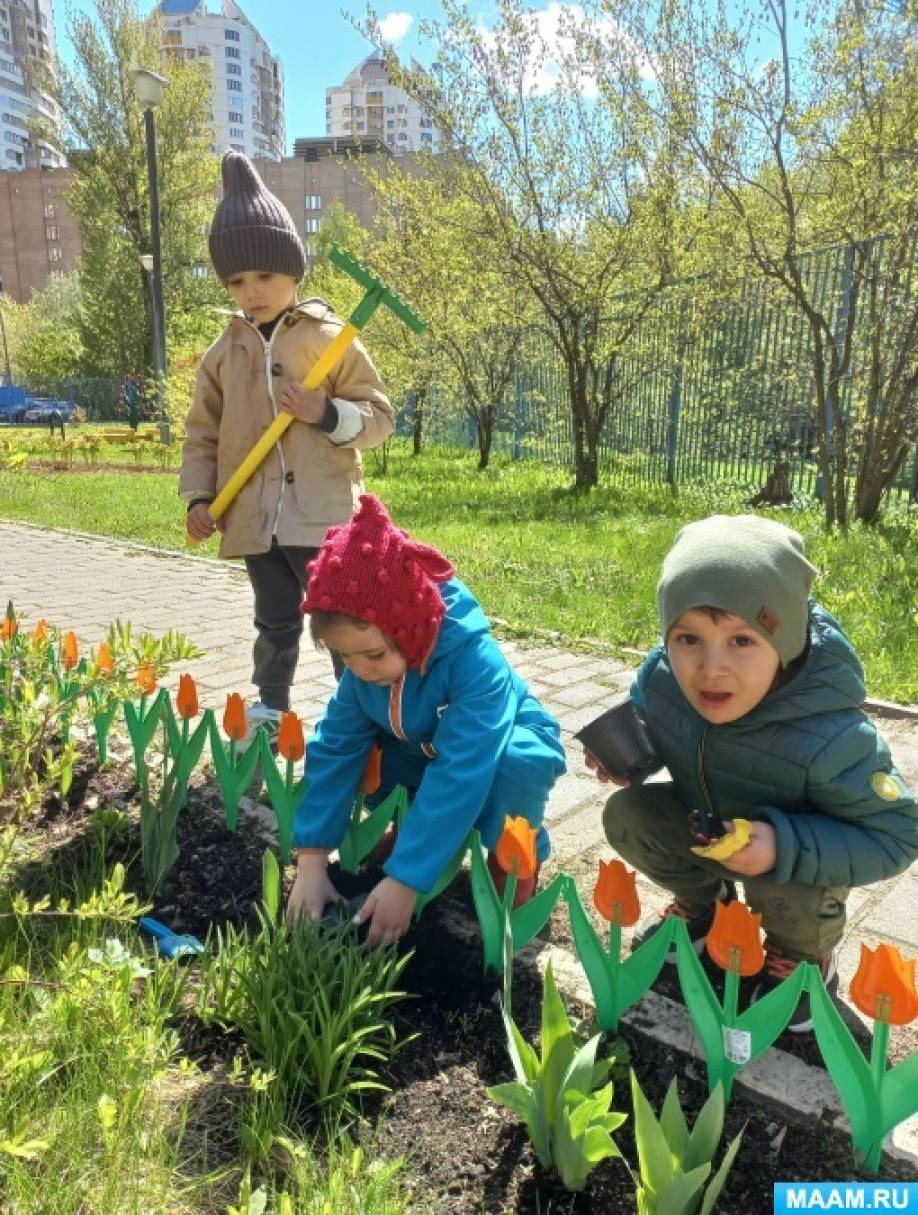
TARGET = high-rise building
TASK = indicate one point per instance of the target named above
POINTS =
(369, 106)
(26, 40)
(247, 80)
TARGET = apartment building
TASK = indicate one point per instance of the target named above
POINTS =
(26, 40)
(369, 106)
(247, 80)
(39, 236)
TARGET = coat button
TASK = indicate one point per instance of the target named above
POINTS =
(288, 477)
(277, 369)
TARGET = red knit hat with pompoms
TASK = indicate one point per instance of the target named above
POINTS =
(374, 571)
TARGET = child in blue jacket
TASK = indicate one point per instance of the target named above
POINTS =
(425, 680)
(753, 703)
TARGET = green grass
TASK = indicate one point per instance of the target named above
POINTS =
(546, 561)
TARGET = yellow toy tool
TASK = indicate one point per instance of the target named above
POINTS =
(727, 845)
(377, 293)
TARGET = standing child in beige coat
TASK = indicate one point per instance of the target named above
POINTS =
(312, 479)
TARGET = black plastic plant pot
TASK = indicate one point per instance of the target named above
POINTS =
(620, 741)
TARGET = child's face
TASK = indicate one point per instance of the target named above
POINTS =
(724, 667)
(367, 653)
(261, 294)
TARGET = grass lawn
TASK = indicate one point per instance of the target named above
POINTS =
(545, 561)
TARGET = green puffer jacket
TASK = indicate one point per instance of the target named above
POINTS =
(806, 759)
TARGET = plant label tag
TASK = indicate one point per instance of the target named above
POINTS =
(737, 1045)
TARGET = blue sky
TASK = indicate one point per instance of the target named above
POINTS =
(316, 51)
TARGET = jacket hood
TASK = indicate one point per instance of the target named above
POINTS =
(829, 679)
(464, 618)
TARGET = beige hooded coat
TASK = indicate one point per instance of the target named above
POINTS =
(307, 483)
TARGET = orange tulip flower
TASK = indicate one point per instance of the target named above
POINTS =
(615, 895)
(516, 848)
(105, 664)
(234, 722)
(9, 627)
(186, 698)
(883, 986)
(290, 743)
(372, 772)
(70, 651)
(40, 632)
(734, 941)
(146, 678)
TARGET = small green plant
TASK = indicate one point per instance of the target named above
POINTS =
(311, 1003)
(567, 1113)
(675, 1163)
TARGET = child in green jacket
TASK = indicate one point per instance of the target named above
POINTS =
(753, 704)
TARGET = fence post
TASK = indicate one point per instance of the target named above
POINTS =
(675, 403)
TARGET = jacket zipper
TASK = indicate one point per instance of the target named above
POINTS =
(701, 780)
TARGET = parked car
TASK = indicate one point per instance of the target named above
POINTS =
(43, 410)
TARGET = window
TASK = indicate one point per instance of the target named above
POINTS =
(390, 124)
(52, 232)
(232, 52)
(233, 69)
(237, 133)
(55, 254)
(360, 126)
(235, 116)
(427, 136)
(358, 110)
(231, 35)
(401, 109)
(238, 147)
(50, 211)
(312, 226)
(313, 202)
(390, 109)
(234, 86)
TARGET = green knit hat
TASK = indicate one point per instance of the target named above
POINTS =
(752, 567)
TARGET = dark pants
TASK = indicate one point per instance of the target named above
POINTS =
(278, 578)
(648, 826)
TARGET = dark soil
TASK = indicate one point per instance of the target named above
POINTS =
(463, 1152)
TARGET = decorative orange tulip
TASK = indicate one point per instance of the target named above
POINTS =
(234, 722)
(372, 772)
(40, 632)
(516, 848)
(883, 986)
(70, 651)
(615, 895)
(290, 743)
(146, 678)
(186, 699)
(9, 627)
(734, 941)
(105, 664)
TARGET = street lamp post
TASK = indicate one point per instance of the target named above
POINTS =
(149, 87)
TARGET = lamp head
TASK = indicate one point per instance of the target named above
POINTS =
(149, 87)
(146, 260)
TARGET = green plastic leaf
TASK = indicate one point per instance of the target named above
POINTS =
(527, 921)
(703, 1007)
(847, 1067)
(705, 1135)
(639, 971)
(899, 1094)
(672, 1123)
(365, 830)
(445, 879)
(654, 1157)
(102, 723)
(765, 1020)
(488, 907)
(716, 1184)
(601, 972)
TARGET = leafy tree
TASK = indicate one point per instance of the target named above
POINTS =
(43, 336)
(806, 150)
(105, 144)
(568, 175)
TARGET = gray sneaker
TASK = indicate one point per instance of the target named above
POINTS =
(698, 919)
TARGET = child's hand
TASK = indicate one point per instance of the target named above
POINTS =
(200, 525)
(307, 404)
(390, 905)
(604, 777)
(312, 888)
(758, 856)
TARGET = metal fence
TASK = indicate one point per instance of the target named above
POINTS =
(710, 389)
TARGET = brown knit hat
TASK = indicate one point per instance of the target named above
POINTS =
(375, 572)
(251, 229)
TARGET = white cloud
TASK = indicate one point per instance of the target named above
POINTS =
(394, 26)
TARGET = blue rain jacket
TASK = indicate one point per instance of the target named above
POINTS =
(467, 735)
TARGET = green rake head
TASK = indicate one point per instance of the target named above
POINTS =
(377, 293)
